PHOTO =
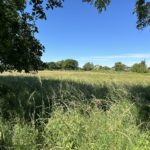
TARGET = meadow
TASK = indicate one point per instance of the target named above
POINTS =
(79, 110)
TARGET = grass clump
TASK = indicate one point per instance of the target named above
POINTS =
(95, 129)
(17, 135)
(24, 136)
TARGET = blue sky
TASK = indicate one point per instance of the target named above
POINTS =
(79, 32)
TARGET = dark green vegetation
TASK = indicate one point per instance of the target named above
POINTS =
(40, 113)
(19, 49)
(140, 67)
(88, 66)
(70, 64)
(119, 66)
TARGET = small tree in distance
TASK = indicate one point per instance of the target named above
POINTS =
(119, 66)
(88, 66)
(52, 66)
(97, 67)
(140, 67)
(70, 64)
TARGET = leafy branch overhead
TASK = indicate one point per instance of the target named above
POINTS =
(142, 9)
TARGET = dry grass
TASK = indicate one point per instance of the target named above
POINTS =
(90, 77)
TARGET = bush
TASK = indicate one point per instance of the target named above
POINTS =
(119, 66)
(97, 67)
(88, 66)
(68, 64)
(106, 68)
(140, 68)
(52, 66)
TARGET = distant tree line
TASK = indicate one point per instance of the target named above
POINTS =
(71, 64)
(68, 64)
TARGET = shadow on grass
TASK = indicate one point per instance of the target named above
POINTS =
(29, 97)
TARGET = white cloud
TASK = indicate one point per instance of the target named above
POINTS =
(109, 60)
(111, 57)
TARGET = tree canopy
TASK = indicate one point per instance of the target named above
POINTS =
(142, 8)
(140, 67)
(19, 49)
(68, 64)
(18, 46)
(119, 66)
(88, 66)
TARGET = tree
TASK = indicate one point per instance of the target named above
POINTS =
(88, 66)
(97, 67)
(142, 9)
(119, 66)
(140, 67)
(70, 64)
(60, 64)
(106, 68)
(52, 66)
(18, 46)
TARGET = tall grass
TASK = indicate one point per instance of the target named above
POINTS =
(81, 128)
(63, 111)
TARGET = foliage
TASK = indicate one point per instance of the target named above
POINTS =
(32, 95)
(82, 127)
(119, 66)
(68, 64)
(97, 67)
(74, 110)
(144, 142)
(140, 68)
(94, 129)
(24, 136)
(18, 47)
(88, 66)
(142, 9)
(106, 68)
(52, 66)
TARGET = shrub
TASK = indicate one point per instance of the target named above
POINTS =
(70, 64)
(119, 66)
(106, 68)
(97, 67)
(52, 66)
(88, 66)
(140, 68)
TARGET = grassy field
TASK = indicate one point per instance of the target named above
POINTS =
(89, 77)
(65, 110)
